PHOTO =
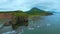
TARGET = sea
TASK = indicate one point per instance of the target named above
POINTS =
(36, 25)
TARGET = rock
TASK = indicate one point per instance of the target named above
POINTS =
(19, 21)
(7, 23)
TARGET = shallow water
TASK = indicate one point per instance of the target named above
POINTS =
(43, 25)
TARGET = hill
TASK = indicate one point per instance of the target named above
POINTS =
(36, 11)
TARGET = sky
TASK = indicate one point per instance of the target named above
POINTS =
(25, 5)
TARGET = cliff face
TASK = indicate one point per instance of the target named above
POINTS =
(6, 15)
(16, 21)
(19, 21)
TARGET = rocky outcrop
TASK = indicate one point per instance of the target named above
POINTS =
(20, 21)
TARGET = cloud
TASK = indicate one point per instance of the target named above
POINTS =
(28, 4)
(49, 5)
(17, 5)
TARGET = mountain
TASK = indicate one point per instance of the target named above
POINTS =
(33, 11)
(36, 11)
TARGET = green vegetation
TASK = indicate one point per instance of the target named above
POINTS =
(33, 11)
(21, 16)
(36, 11)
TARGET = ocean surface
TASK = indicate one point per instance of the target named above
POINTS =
(40, 25)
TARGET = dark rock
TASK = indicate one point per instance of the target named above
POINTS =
(7, 23)
(20, 21)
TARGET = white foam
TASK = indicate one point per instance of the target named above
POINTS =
(31, 28)
(48, 24)
(10, 32)
(38, 26)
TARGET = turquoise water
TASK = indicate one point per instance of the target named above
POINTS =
(42, 25)
(48, 25)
